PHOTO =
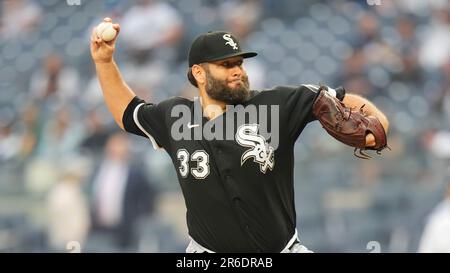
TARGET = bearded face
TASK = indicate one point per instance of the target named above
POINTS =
(220, 89)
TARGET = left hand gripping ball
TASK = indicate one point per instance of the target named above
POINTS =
(106, 31)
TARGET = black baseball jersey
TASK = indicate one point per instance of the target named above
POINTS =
(238, 188)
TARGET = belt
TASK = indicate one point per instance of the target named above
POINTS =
(195, 247)
(291, 243)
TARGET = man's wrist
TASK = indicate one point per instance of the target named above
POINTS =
(104, 66)
(104, 62)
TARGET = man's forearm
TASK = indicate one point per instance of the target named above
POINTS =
(116, 92)
(355, 101)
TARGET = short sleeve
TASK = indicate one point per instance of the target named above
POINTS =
(297, 105)
(147, 120)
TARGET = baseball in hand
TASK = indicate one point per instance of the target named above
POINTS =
(106, 31)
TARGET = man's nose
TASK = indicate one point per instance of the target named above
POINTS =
(236, 71)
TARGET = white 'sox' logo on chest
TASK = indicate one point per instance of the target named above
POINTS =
(263, 154)
(230, 41)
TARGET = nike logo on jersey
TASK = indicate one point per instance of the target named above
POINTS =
(190, 126)
(263, 154)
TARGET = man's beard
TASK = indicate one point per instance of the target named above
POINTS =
(219, 90)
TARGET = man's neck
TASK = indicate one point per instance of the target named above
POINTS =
(211, 108)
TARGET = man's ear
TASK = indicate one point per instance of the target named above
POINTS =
(199, 73)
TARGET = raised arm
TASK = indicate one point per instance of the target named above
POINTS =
(116, 92)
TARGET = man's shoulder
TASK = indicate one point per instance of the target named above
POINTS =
(286, 88)
(267, 93)
(280, 91)
(170, 102)
(276, 88)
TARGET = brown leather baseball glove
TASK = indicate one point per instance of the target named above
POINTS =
(347, 125)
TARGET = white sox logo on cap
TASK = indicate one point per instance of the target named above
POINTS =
(230, 41)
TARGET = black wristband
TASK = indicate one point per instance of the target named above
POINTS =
(340, 93)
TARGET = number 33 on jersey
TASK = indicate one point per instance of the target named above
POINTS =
(198, 158)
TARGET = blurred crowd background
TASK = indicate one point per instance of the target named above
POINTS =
(67, 173)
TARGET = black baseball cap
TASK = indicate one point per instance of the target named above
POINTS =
(214, 46)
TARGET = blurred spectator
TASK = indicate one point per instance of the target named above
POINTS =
(97, 133)
(150, 25)
(9, 142)
(92, 96)
(439, 144)
(150, 32)
(418, 7)
(54, 81)
(68, 208)
(442, 94)
(446, 104)
(18, 17)
(409, 51)
(368, 30)
(28, 128)
(45, 142)
(353, 74)
(61, 134)
(355, 64)
(436, 234)
(121, 195)
(435, 48)
(242, 18)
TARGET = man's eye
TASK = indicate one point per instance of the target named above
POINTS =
(231, 65)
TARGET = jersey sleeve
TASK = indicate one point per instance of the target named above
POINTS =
(147, 120)
(297, 105)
